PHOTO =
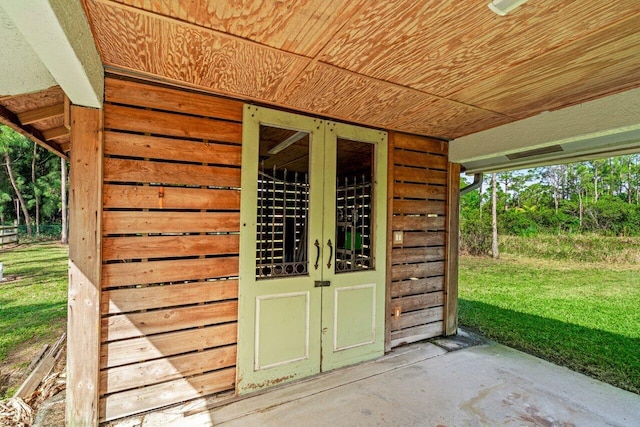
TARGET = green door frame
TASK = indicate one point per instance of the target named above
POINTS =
(265, 357)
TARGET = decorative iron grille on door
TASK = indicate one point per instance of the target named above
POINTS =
(283, 207)
(353, 224)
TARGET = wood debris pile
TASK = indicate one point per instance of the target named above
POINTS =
(40, 385)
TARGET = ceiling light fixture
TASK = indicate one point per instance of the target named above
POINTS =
(502, 7)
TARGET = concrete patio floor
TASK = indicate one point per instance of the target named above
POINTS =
(446, 382)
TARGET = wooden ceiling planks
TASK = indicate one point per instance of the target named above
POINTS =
(438, 68)
(439, 47)
(186, 53)
(602, 63)
(340, 94)
(447, 119)
(301, 27)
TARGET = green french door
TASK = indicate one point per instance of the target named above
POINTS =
(312, 251)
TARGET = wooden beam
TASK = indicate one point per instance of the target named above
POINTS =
(67, 112)
(43, 113)
(453, 232)
(11, 120)
(85, 212)
(55, 133)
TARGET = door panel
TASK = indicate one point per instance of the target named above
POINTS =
(353, 306)
(312, 247)
(289, 341)
(354, 316)
(279, 306)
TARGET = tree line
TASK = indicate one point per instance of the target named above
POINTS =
(598, 196)
(32, 184)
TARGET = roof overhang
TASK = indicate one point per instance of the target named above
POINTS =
(48, 55)
(60, 45)
(600, 128)
(423, 67)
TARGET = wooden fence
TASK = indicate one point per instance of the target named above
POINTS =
(8, 234)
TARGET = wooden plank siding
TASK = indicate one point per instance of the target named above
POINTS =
(417, 267)
(170, 233)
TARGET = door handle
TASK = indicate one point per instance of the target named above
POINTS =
(317, 245)
(330, 253)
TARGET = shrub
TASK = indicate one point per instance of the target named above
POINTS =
(475, 237)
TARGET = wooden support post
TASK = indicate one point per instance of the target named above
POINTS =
(453, 232)
(85, 212)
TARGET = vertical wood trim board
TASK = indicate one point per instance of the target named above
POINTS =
(390, 181)
(417, 268)
(168, 320)
(83, 345)
(453, 233)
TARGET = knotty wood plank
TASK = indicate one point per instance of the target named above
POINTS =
(134, 273)
(417, 302)
(119, 353)
(419, 175)
(416, 318)
(425, 160)
(153, 147)
(144, 399)
(422, 144)
(124, 170)
(419, 191)
(404, 272)
(418, 333)
(171, 368)
(83, 324)
(415, 287)
(170, 124)
(133, 222)
(451, 268)
(424, 238)
(418, 223)
(438, 207)
(154, 197)
(402, 255)
(114, 248)
(147, 298)
(133, 325)
(179, 100)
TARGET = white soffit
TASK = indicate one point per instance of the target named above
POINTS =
(600, 128)
(59, 34)
(21, 71)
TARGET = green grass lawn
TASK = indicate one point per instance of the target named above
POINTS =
(33, 302)
(582, 316)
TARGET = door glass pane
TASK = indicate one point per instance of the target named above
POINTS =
(283, 203)
(354, 206)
